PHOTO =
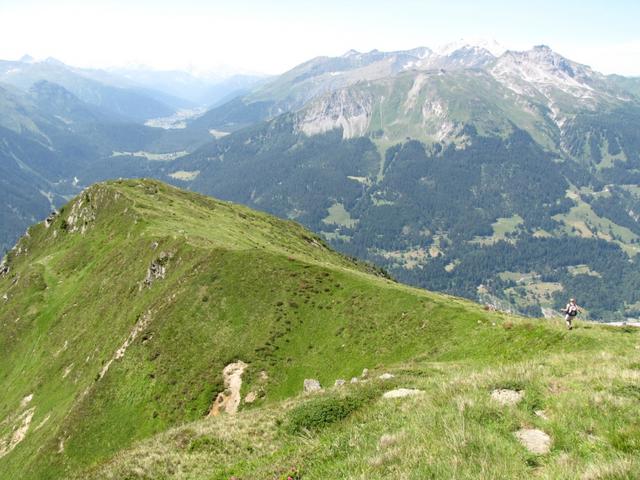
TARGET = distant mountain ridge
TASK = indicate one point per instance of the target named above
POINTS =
(505, 176)
(347, 137)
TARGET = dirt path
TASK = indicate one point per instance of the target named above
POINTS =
(229, 400)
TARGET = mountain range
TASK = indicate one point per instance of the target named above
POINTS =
(509, 177)
(512, 179)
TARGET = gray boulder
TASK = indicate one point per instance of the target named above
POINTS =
(311, 385)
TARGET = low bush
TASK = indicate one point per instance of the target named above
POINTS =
(316, 414)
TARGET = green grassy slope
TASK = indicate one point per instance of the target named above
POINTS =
(94, 358)
(583, 396)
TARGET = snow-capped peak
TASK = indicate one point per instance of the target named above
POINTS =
(420, 52)
(492, 46)
(351, 53)
(541, 69)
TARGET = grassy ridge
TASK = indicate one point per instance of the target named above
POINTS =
(585, 400)
(236, 285)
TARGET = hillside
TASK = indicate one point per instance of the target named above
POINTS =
(508, 179)
(120, 314)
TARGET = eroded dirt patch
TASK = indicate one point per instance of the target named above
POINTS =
(229, 400)
(21, 424)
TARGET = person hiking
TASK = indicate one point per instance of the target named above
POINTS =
(571, 310)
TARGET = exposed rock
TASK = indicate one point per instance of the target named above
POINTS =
(536, 441)
(157, 270)
(67, 371)
(229, 400)
(355, 380)
(402, 392)
(140, 325)
(505, 396)
(4, 268)
(26, 400)
(82, 214)
(386, 376)
(49, 220)
(365, 373)
(22, 423)
(251, 397)
(41, 424)
(339, 382)
(346, 109)
(311, 385)
(542, 414)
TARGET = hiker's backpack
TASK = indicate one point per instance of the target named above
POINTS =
(572, 310)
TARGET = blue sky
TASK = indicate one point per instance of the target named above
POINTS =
(272, 36)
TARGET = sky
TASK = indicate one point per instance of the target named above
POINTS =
(274, 36)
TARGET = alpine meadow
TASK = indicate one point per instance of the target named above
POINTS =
(229, 251)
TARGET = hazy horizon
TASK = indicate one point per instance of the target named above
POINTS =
(251, 37)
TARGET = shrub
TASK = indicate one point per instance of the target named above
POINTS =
(316, 414)
(319, 413)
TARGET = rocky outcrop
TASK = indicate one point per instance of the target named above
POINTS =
(347, 109)
(534, 440)
(49, 220)
(505, 396)
(4, 268)
(82, 214)
(311, 385)
(157, 269)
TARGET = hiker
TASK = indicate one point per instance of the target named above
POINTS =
(571, 310)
